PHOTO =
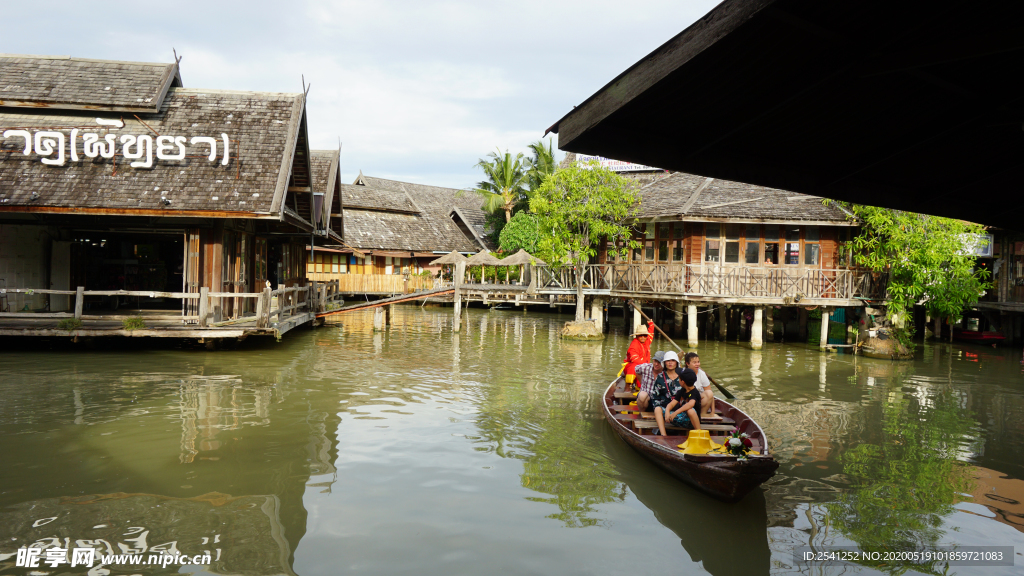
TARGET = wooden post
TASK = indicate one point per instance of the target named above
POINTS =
(756, 342)
(597, 312)
(378, 319)
(204, 304)
(460, 271)
(723, 322)
(263, 308)
(678, 318)
(79, 301)
(691, 325)
(938, 328)
(769, 324)
(637, 321)
(388, 311)
(824, 328)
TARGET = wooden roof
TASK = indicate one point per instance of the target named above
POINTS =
(324, 166)
(249, 181)
(908, 105)
(65, 83)
(683, 196)
(383, 214)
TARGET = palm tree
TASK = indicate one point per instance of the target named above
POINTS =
(503, 188)
(541, 164)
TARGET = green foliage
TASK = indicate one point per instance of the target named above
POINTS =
(579, 207)
(522, 232)
(505, 183)
(928, 260)
(134, 323)
(69, 324)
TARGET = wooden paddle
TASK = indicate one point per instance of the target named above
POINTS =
(728, 394)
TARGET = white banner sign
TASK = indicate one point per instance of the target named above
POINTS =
(616, 165)
(51, 145)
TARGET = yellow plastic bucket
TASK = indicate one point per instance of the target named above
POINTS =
(698, 442)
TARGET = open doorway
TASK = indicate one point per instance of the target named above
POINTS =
(151, 261)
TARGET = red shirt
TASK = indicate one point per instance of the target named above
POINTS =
(638, 352)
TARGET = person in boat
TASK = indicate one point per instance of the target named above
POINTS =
(666, 385)
(646, 376)
(683, 409)
(703, 385)
(639, 351)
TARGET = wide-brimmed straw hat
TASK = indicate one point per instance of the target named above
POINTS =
(641, 331)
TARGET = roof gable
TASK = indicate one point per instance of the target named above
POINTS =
(65, 83)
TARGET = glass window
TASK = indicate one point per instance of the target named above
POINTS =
(711, 230)
(711, 251)
(677, 251)
(753, 232)
(638, 253)
(663, 229)
(810, 234)
(649, 251)
(752, 253)
(771, 252)
(649, 230)
(334, 268)
(792, 233)
(663, 250)
(771, 233)
(811, 254)
(792, 252)
(678, 230)
(732, 231)
(732, 252)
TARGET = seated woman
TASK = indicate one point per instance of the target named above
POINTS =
(703, 384)
(646, 376)
(666, 385)
(682, 411)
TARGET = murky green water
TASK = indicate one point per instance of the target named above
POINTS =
(423, 452)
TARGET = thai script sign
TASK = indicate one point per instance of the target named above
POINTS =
(615, 165)
(52, 146)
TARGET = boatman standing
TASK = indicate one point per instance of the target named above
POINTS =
(639, 351)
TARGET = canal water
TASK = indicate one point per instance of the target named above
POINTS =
(420, 451)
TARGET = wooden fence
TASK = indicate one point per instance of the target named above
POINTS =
(375, 283)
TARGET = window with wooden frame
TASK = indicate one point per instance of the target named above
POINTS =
(732, 243)
(678, 242)
(712, 239)
(792, 254)
(752, 248)
(771, 244)
(812, 246)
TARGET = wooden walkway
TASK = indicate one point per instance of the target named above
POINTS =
(387, 301)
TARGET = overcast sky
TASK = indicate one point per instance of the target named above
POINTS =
(415, 90)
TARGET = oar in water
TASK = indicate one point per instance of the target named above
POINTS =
(728, 394)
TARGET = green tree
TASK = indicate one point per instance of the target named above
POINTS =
(521, 232)
(505, 183)
(577, 209)
(541, 164)
(927, 260)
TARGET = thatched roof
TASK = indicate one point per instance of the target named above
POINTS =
(65, 83)
(483, 259)
(690, 197)
(449, 258)
(521, 258)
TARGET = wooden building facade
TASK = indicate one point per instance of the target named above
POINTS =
(118, 181)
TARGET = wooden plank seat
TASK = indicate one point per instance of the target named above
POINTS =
(645, 424)
(625, 395)
(704, 422)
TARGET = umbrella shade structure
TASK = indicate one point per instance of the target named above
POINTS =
(484, 259)
(521, 258)
(449, 258)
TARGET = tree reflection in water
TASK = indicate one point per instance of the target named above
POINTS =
(910, 477)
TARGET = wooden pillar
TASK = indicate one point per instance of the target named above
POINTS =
(824, 328)
(723, 322)
(756, 342)
(79, 301)
(691, 325)
(637, 320)
(263, 308)
(204, 305)
(388, 311)
(677, 324)
(769, 323)
(378, 319)
(460, 271)
(802, 319)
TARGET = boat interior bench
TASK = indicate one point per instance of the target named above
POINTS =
(644, 424)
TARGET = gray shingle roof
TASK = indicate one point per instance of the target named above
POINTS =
(261, 128)
(324, 178)
(693, 197)
(381, 220)
(63, 83)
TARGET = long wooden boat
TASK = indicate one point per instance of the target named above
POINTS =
(721, 476)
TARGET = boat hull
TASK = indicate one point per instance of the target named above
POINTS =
(721, 477)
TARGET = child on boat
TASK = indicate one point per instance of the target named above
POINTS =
(683, 409)
(703, 384)
(646, 376)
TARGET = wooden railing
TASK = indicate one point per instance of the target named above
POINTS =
(291, 301)
(375, 283)
(698, 280)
